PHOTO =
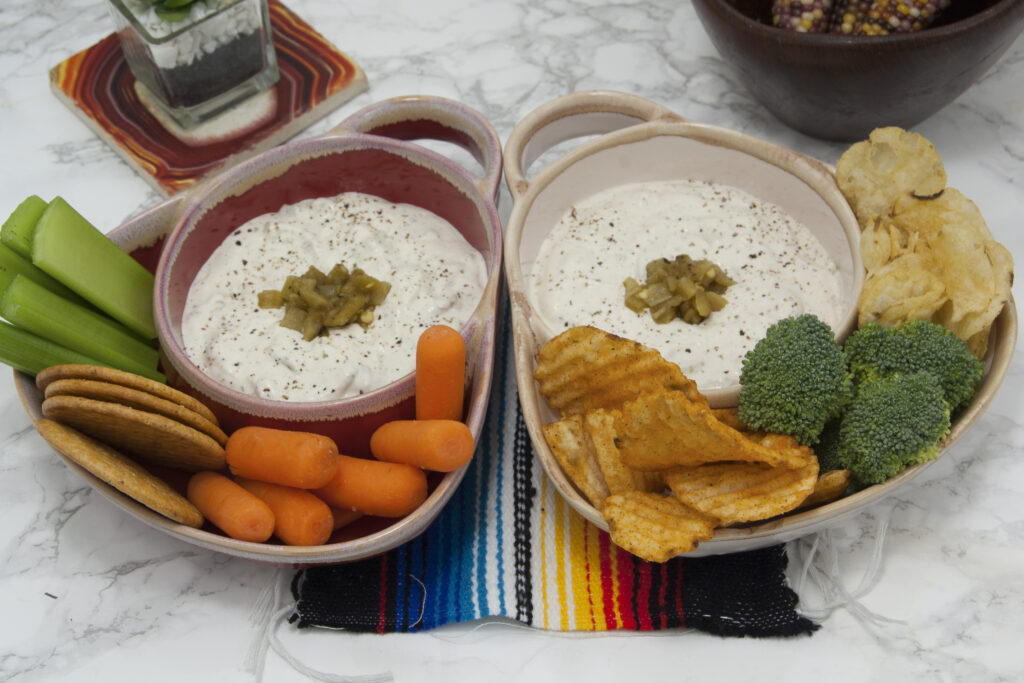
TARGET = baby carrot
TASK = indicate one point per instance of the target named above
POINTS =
(440, 374)
(280, 456)
(383, 489)
(436, 445)
(230, 508)
(300, 518)
(344, 517)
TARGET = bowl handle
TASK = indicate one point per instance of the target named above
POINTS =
(573, 116)
(419, 117)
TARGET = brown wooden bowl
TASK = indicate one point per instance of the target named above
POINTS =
(841, 87)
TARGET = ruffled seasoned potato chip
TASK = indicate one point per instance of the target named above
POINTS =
(659, 431)
(571, 446)
(654, 527)
(830, 486)
(600, 426)
(890, 165)
(736, 492)
(585, 368)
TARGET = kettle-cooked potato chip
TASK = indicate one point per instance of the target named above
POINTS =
(906, 288)
(890, 165)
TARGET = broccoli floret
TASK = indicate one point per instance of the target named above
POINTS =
(892, 422)
(875, 351)
(794, 380)
(827, 448)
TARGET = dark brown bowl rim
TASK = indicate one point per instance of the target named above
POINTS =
(991, 13)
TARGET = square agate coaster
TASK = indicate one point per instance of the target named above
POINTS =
(97, 85)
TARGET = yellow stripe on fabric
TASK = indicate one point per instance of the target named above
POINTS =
(613, 562)
(561, 559)
(544, 522)
(596, 578)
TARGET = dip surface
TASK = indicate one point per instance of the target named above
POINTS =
(436, 278)
(780, 270)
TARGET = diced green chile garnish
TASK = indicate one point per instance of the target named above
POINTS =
(680, 288)
(314, 302)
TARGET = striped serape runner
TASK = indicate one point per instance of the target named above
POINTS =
(507, 544)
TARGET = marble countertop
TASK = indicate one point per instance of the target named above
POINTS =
(91, 594)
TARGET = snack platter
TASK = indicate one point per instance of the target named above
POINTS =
(626, 124)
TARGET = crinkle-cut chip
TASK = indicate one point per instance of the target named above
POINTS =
(903, 289)
(654, 527)
(600, 426)
(585, 368)
(892, 163)
(737, 492)
(572, 449)
(830, 486)
(978, 274)
(927, 217)
(659, 431)
(730, 417)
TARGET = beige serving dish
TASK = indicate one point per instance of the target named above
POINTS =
(631, 139)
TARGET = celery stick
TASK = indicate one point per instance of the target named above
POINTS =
(17, 231)
(31, 353)
(40, 311)
(12, 264)
(73, 251)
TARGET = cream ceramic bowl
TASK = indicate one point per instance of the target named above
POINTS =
(368, 153)
(638, 140)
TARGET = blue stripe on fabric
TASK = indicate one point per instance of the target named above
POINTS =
(401, 587)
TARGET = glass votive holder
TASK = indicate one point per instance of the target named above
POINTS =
(200, 58)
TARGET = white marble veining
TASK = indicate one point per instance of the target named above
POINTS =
(89, 594)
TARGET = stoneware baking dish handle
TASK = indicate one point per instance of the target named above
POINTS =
(578, 115)
(419, 117)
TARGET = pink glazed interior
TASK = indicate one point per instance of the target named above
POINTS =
(322, 167)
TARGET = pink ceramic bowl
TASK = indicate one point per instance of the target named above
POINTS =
(367, 154)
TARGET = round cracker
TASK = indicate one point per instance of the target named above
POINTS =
(134, 398)
(149, 437)
(127, 379)
(121, 472)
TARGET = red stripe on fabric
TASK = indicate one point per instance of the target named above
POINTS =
(662, 593)
(383, 597)
(625, 568)
(611, 621)
(643, 595)
(680, 611)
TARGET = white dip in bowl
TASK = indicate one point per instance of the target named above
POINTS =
(436, 277)
(779, 267)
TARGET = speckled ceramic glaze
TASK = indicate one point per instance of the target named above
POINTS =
(638, 140)
(368, 153)
(842, 87)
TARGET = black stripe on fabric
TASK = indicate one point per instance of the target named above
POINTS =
(743, 594)
(343, 596)
(523, 496)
